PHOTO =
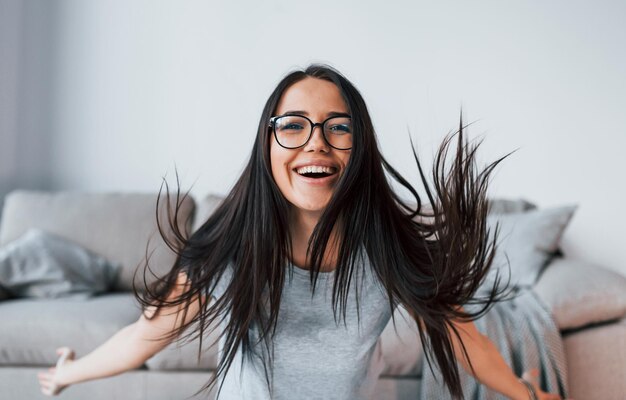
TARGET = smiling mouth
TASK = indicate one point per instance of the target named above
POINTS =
(316, 172)
(315, 175)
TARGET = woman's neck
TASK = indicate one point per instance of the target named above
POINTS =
(301, 226)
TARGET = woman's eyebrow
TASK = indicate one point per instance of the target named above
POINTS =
(330, 114)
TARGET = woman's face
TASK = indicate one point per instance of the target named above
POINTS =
(316, 99)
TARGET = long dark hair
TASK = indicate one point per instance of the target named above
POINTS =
(431, 262)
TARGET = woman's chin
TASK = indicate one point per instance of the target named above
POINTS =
(310, 205)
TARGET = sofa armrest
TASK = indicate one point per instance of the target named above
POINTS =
(579, 293)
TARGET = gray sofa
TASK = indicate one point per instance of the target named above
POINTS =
(588, 303)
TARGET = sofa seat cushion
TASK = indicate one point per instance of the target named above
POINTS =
(580, 294)
(121, 227)
(32, 329)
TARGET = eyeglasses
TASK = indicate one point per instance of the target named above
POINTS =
(293, 131)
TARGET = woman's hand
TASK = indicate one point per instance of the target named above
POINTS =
(531, 376)
(51, 381)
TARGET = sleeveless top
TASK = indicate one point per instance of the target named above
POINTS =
(315, 356)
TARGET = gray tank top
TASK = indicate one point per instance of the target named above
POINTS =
(316, 357)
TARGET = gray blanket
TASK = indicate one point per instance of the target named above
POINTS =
(43, 265)
(527, 337)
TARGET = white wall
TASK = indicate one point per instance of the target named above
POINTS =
(26, 43)
(139, 87)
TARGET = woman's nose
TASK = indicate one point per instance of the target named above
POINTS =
(317, 141)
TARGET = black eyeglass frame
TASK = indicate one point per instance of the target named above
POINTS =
(272, 124)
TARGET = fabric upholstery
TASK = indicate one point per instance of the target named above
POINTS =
(508, 206)
(596, 362)
(120, 227)
(204, 209)
(580, 293)
(17, 383)
(20, 383)
(84, 324)
(40, 264)
(526, 240)
(32, 329)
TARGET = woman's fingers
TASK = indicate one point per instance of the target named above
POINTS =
(43, 377)
(45, 382)
(47, 379)
(531, 375)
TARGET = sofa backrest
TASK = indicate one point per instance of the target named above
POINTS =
(118, 226)
(204, 208)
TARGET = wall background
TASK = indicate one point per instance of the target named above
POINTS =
(113, 95)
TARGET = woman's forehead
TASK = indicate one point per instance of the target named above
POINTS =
(313, 96)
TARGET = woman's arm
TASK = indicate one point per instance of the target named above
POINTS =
(128, 349)
(490, 369)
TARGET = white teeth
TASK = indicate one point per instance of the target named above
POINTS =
(315, 169)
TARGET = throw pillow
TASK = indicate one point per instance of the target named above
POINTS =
(43, 265)
(508, 206)
(526, 240)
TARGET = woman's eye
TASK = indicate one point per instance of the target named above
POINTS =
(340, 129)
(291, 127)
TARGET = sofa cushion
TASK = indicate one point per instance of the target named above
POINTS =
(526, 240)
(595, 361)
(32, 329)
(579, 293)
(120, 227)
(40, 264)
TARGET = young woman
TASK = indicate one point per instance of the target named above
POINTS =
(310, 253)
